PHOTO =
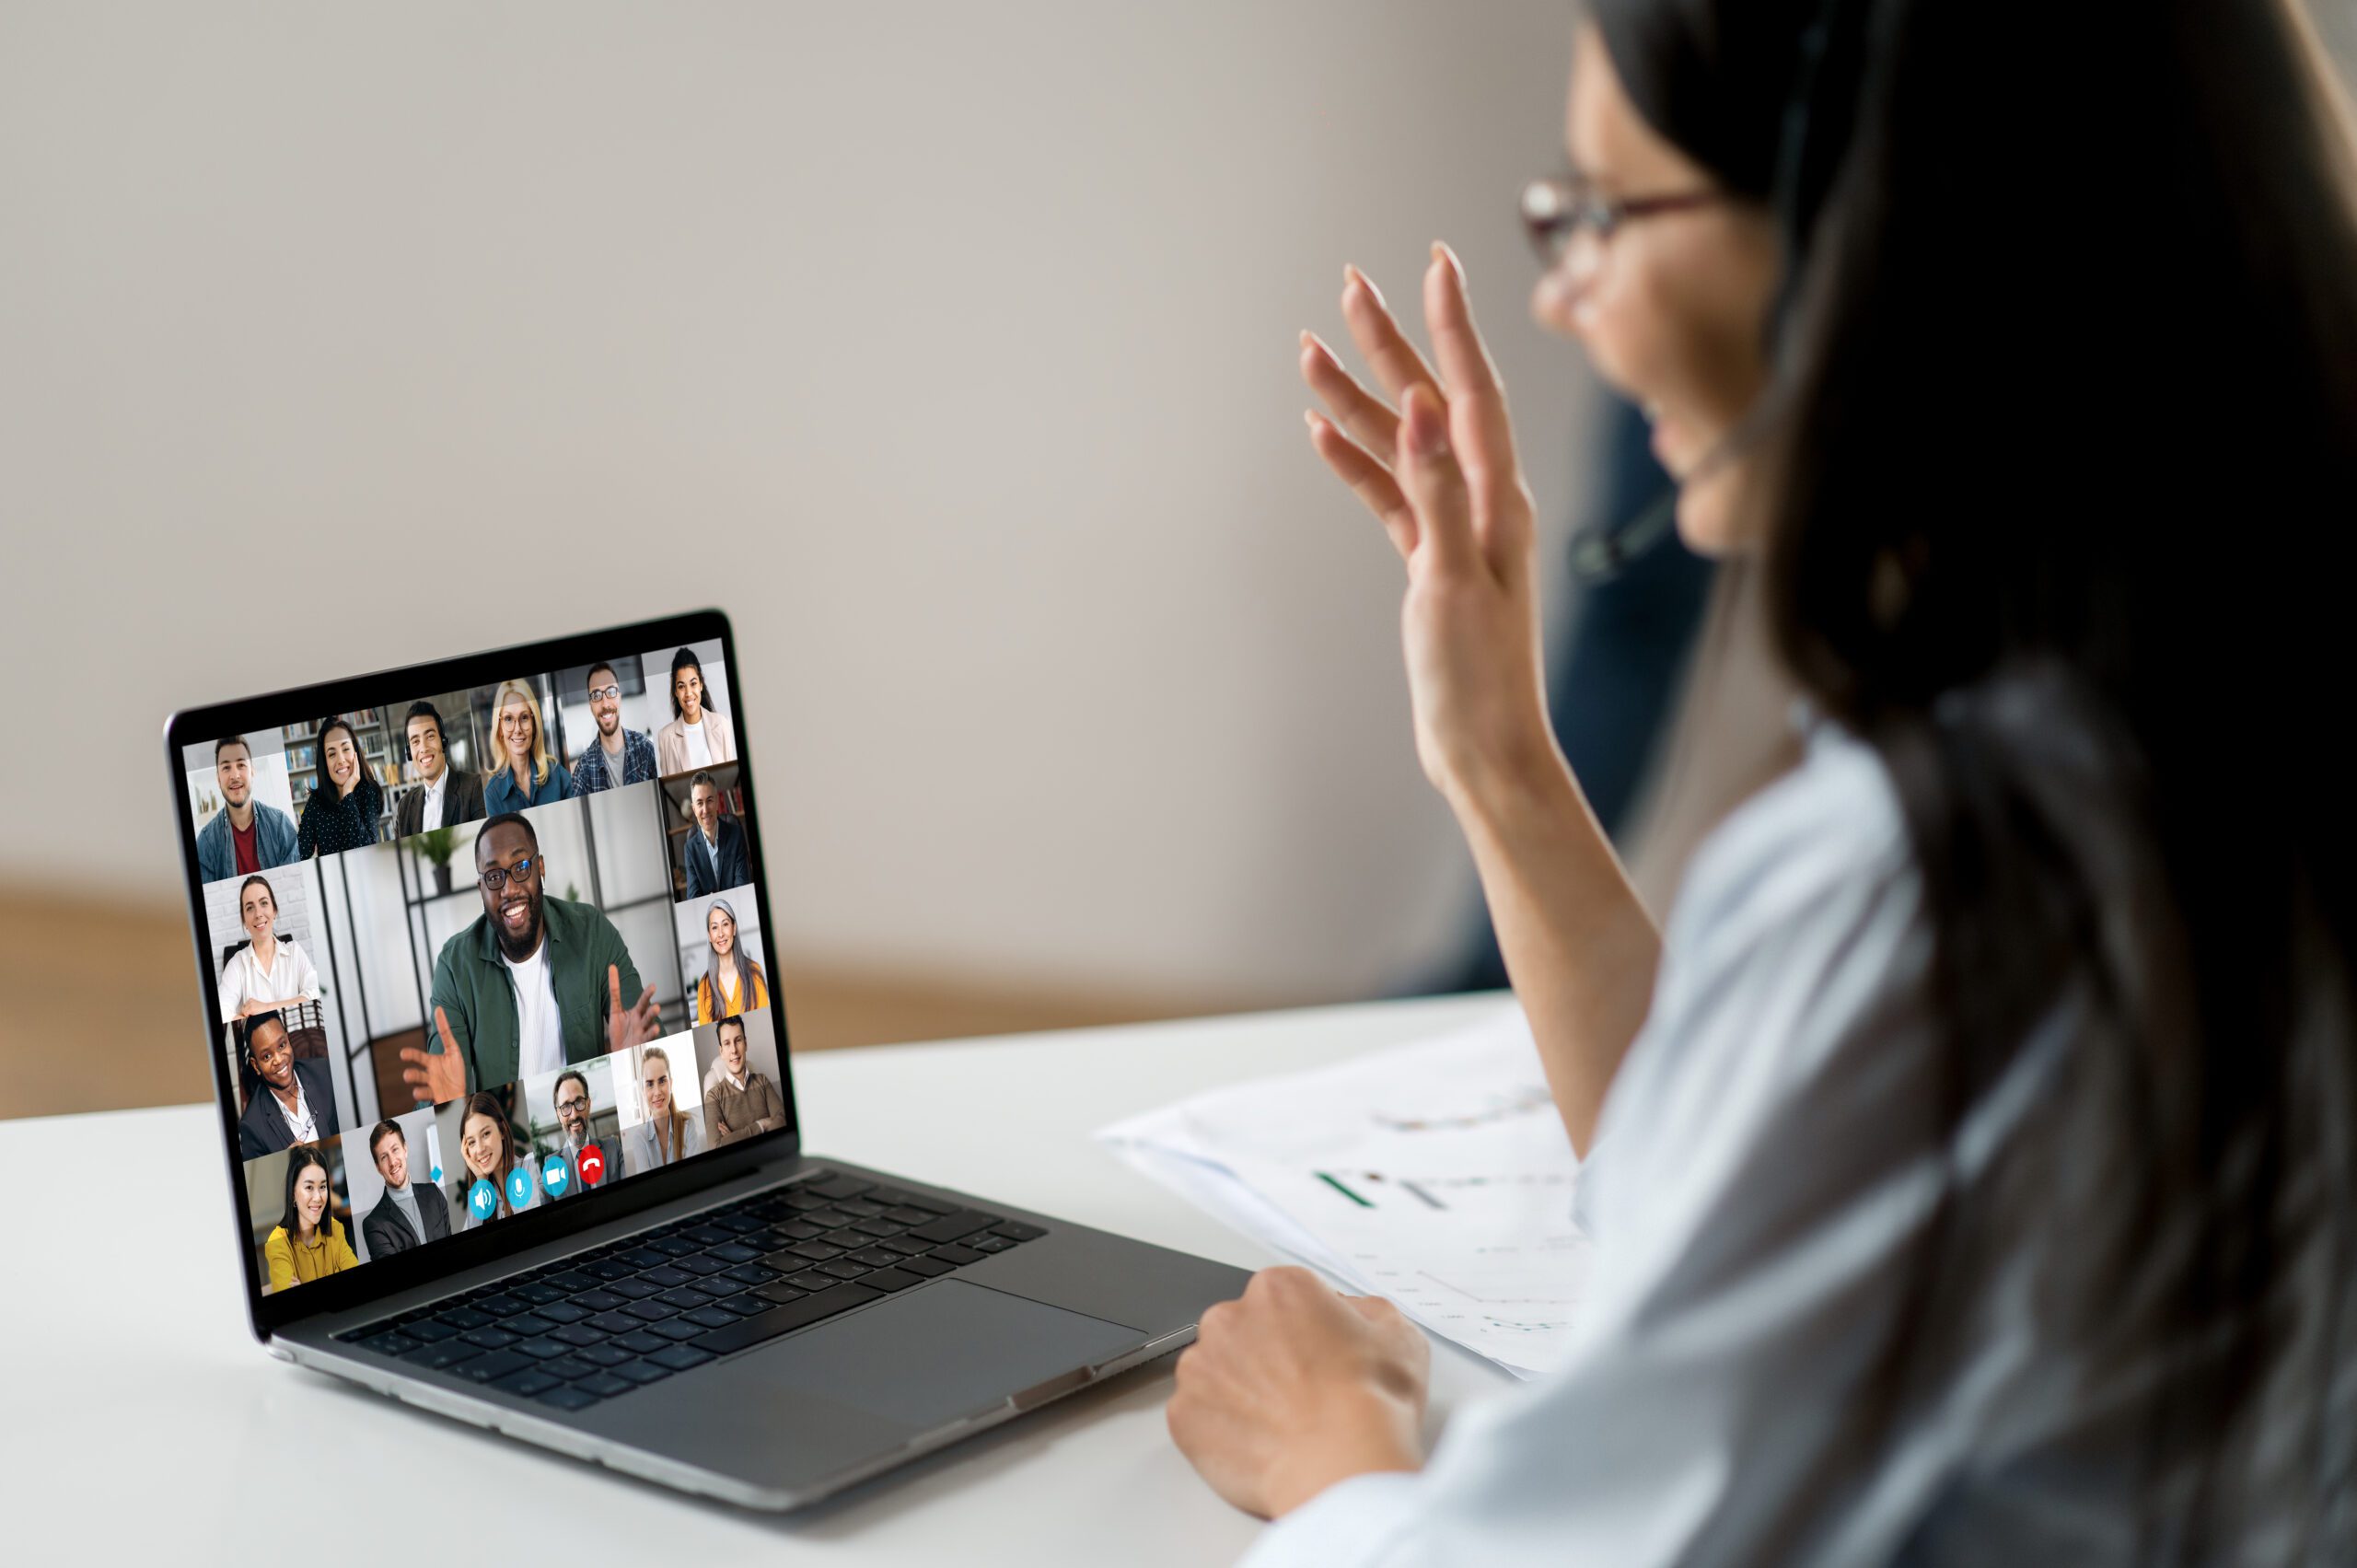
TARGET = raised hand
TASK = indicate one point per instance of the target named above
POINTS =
(1440, 473)
(634, 1024)
(433, 1079)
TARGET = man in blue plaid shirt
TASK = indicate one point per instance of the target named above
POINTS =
(617, 755)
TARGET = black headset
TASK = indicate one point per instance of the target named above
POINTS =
(1813, 134)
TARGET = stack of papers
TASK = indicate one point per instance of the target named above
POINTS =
(1435, 1173)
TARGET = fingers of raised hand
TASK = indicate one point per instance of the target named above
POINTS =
(1477, 398)
(1396, 363)
(1367, 418)
(442, 1025)
(1369, 480)
(1434, 485)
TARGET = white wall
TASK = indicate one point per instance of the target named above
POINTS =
(950, 347)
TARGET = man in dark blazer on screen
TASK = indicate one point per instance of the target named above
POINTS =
(411, 1214)
(714, 857)
(295, 1102)
(455, 795)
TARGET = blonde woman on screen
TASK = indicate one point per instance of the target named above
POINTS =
(525, 774)
(668, 1134)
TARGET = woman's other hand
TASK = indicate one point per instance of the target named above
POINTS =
(1294, 1387)
(1440, 473)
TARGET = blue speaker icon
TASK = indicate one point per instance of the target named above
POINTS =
(482, 1198)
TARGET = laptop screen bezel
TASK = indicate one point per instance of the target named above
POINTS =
(387, 1276)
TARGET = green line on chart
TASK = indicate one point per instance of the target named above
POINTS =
(1342, 1189)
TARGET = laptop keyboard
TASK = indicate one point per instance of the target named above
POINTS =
(597, 1324)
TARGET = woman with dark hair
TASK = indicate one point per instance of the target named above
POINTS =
(699, 735)
(307, 1241)
(487, 1155)
(1971, 1161)
(341, 811)
(270, 973)
(731, 983)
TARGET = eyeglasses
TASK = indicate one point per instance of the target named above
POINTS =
(572, 1102)
(497, 877)
(605, 694)
(1554, 209)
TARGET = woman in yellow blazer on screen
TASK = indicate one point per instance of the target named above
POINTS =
(309, 1241)
(731, 983)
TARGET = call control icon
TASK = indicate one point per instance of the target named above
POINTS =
(555, 1177)
(482, 1198)
(520, 1186)
(593, 1167)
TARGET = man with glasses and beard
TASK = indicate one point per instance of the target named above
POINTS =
(535, 984)
(617, 756)
(573, 1140)
(246, 836)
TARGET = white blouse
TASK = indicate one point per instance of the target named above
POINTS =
(290, 975)
(1764, 1160)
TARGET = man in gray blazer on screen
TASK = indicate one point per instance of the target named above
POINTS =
(411, 1214)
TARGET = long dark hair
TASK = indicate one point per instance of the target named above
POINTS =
(482, 1103)
(2062, 434)
(301, 1157)
(363, 774)
(686, 659)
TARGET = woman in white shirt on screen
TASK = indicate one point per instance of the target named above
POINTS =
(1972, 1161)
(699, 735)
(270, 973)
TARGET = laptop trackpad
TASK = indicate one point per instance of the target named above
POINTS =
(950, 1349)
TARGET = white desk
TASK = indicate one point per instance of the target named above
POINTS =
(139, 1421)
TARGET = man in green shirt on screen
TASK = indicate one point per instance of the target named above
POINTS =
(532, 985)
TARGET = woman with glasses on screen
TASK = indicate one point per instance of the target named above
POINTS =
(527, 774)
(731, 983)
(307, 1242)
(667, 1134)
(270, 973)
(340, 812)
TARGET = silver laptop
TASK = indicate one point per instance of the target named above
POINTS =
(506, 1091)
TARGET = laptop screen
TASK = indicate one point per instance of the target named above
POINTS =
(484, 946)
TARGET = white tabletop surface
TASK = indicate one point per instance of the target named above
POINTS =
(139, 1420)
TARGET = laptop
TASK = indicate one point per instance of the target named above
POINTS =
(506, 1098)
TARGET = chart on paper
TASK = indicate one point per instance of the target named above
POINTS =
(1435, 1174)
